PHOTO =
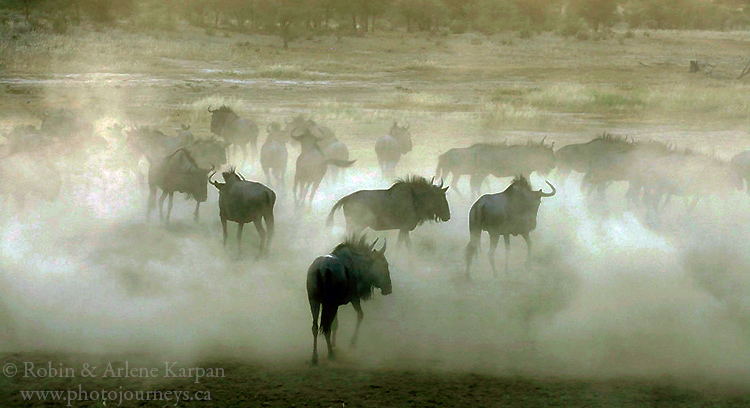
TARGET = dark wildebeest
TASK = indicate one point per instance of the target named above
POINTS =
(245, 201)
(176, 172)
(741, 166)
(236, 131)
(510, 161)
(347, 275)
(390, 147)
(405, 205)
(312, 163)
(274, 156)
(511, 212)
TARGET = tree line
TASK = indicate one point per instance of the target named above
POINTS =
(302, 17)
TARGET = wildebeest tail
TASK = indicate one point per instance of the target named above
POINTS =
(340, 163)
(336, 206)
(475, 232)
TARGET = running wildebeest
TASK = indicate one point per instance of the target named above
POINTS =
(741, 166)
(405, 205)
(347, 275)
(236, 131)
(511, 212)
(245, 201)
(176, 172)
(312, 163)
(274, 156)
(390, 147)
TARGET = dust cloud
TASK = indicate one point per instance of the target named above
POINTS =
(606, 294)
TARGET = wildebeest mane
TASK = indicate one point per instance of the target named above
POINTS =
(357, 247)
(422, 191)
(612, 138)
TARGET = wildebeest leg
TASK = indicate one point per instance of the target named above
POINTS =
(268, 217)
(326, 321)
(494, 238)
(267, 172)
(454, 184)
(315, 309)
(224, 227)
(506, 237)
(471, 249)
(314, 190)
(528, 248)
(169, 206)
(151, 202)
(240, 225)
(262, 233)
(360, 316)
(197, 209)
(476, 183)
(403, 236)
(334, 329)
(161, 204)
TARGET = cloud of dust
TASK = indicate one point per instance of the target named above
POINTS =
(605, 295)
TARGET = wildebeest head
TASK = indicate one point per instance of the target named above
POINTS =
(230, 177)
(374, 265)
(220, 118)
(526, 201)
(430, 201)
(402, 134)
(543, 157)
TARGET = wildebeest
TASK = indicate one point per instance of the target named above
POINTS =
(244, 201)
(177, 172)
(185, 135)
(312, 163)
(688, 174)
(26, 138)
(501, 161)
(347, 275)
(326, 140)
(390, 147)
(236, 131)
(741, 166)
(274, 156)
(151, 143)
(405, 205)
(462, 161)
(511, 212)
(208, 152)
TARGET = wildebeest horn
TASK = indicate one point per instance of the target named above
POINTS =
(209, 109)
(211, 169)
(548, 194)
(216, 184)
(385, 244)
(372, 247)
(543, 139)
(268, 127)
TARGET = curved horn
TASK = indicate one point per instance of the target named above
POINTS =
(372, 247)
(549, 194)
(209, 109)
(543, 139)
(268, 127)
(216, 184)
(385, 244)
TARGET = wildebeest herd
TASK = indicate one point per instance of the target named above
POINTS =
(655, 171)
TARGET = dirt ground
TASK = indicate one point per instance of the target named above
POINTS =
(612, 311)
